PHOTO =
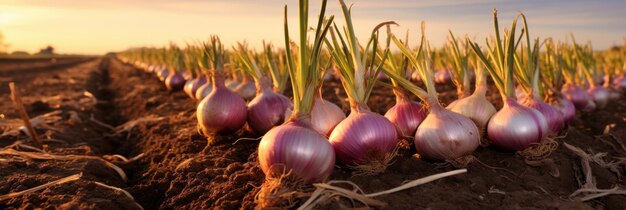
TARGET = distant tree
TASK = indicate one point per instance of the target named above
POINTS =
(19, 52)
(49, 50)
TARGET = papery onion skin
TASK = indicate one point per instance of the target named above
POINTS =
(222, 111)
(477, 108)
(553, 116)
(515, 127)
(267, 110)
(325, 115)
(406, 115)
(204, 90)
(446, 135)
(175, 82)
(600, 96)
(576, 95)
(363, 136)
(296, 147)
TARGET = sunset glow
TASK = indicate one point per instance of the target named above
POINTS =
(96, 27)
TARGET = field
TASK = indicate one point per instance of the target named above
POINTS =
(99, 112)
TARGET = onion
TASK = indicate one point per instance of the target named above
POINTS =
(221, 111)
(620, 83)
(614, 95)
(325, 115)
(553, 116)
(406, 115)
(515, 127)
(295, 146)
(175, 81)
(246, 89)
(163, 73)
(267, 110)
(581, 99)
(362, 137)
(600, 95)
(442, 76)
(520, 94)
(566, 107)
(232, 84)
(204, 90)
(446, 135)
(192, 86)
(476, 107)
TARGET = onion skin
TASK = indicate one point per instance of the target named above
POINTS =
(581, 99)
(363, 136)
(232, 84)
(325, 115)
(553, 116)
(175, 82)
(222, 111)
(406, 115)
(267, 110)
(446, 135)
(191, 87)
(515, 127)
(477, 108)
(295, 146)
(442, 76)
(600, 96)
(204, 90)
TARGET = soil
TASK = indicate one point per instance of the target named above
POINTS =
(176, 170)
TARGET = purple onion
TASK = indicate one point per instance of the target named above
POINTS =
(222, 111)
(620, 83)
(163, 74)
(246, 89)
(295, 147)
(442, 76)
(600, 95)
(581, 99)
(515, 127)
(325, 115)
(204, 90)
(267, 110)
(362, 137)
(476, 107)
(175, 82)
(446, 135)
(232, 84)
(406, 115)
(192, 86)
(553, 116)
(566, 107)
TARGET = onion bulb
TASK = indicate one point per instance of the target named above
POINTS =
(222, 111)
(325, 115)
(295, 146)
(246, 89)
(362, 137)
(204, 90)
(566, 107)
(620, 83)
(446, 135)
(267, 110)
(192, 86)
(515, 127)
(600, 95)
(581, 99)
(163, 73)
(406, 115)
(553, 116)
(476, 107)
(175, 81)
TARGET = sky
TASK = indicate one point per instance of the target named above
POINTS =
(97, 27)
